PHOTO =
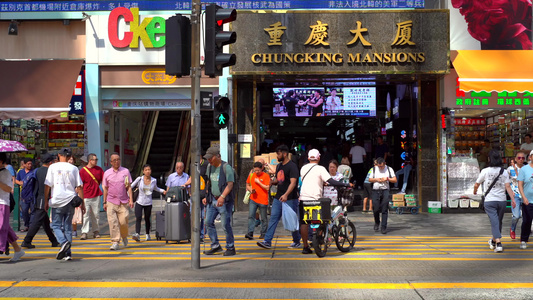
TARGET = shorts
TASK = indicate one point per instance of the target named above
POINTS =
(367, 190)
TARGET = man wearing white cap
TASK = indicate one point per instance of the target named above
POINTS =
(313, 178)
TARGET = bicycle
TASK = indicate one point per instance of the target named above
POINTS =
(336, 224)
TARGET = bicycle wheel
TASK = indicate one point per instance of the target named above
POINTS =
(345, 237)
(319, 241)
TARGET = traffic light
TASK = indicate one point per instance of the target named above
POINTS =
(221, 113)
(178, 46)
(215, 39)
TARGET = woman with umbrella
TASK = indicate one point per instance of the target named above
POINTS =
(7, 235)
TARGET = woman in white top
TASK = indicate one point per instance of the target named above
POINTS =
(147, 184)
(495, 200)
(330, 191)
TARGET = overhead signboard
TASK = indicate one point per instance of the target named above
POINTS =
(329, 42)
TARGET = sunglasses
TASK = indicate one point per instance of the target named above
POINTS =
(521, 158)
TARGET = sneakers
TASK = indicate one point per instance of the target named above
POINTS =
(513, 235)
(307, 250)
(74, 233)
(125, 241)
(83, 236)
(67, 258)
(523, 245)
(17, 255)
(136, 237)
(376, 227)
(230, 252)
(492, 244)
(383, 230)
(96, 235)
(249, 235)
(114, 246)
(27, 245)
(148, 238)
(63, 250)
(295, 245)
(214, 250)
(499, 247)
(264, 245)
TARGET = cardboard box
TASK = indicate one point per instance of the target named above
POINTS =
(398, 197)
(398, 203)
(434, 207)
(272, 158)
(411, 204)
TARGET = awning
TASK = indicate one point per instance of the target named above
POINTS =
(494, 70)
(39, 89)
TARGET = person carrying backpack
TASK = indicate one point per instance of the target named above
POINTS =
(26, 201)
(219, 200)
(380, 177)
(39, 216)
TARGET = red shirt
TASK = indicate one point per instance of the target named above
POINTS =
(91, 188)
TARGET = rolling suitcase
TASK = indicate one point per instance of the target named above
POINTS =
(177, 222)
(160, 222)
(177, 194)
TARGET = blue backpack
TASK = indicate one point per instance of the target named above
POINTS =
(27, 193)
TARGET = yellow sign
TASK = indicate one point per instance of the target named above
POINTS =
(359, 35)
(319, 32)
(404, 34)
(275, 31)
(157, 76)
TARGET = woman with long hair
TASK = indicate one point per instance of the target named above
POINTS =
(495, 200)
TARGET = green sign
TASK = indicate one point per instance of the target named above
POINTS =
(495, 99)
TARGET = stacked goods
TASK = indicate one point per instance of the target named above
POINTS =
(398, 200)
(410, 200)
(434, 207)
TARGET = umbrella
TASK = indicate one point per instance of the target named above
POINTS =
(11, 146)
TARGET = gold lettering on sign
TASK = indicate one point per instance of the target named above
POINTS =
(359, 35)
(404, 34)
(382, 58)
(275, 31)
(319, 32)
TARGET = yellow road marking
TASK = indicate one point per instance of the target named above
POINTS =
(279, 285)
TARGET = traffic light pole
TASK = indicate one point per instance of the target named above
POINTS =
(195, 153)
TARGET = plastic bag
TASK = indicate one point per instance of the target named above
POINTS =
(246, 199)
(290, 218)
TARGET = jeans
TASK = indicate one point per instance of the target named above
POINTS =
(25, 211)
(405, 172)
(495, 211)
(516, 212)
(39, 218)
(91, 218)
(139, 209)
(62, 224)
(225, 212)
(527, 212)
(275, 216)
(380, 203)
(251, 216)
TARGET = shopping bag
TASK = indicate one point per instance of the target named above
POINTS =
(246, 199)
(290, 218)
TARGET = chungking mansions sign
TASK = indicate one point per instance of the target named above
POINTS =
(306, 42)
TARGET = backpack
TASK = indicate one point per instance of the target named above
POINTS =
(374, 175)
(235, 189)
(27, 193)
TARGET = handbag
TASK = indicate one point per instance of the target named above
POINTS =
(136, 191)
(76, 201)
(482, 203)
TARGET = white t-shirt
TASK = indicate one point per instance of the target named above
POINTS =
(513, 175)
(63, 178)
(357, 153)
(333, 103)
(5, 178)
(330, 191)
(377, 173)
(487, 176)
(528, 147)
(313, 183)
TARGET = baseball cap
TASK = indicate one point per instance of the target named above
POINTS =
(65, 152)
(211, 151)
(531, 153)
(313, 154)
(84, 159)
(47, 158)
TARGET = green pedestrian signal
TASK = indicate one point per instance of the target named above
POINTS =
(221, 113)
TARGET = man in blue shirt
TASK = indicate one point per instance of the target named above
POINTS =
(178, 178)
(525, 186)
(25, 206)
